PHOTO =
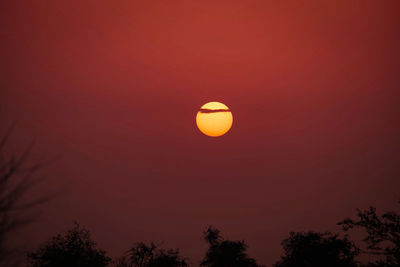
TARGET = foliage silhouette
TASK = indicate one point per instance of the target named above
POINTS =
(383, 235)
(74, 248)
(313, 249)
(301, 249)
(143, 255)
(225, 253)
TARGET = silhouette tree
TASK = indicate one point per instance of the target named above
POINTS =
(225, 253)
(74, 248)
(169, 258)
(16, 179)
(383, 235)
(312, 249)
(143, 255)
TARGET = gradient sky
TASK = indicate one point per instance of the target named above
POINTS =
(112, 89)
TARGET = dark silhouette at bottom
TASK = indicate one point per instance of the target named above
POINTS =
(225, 253)
(74, 248)
(301, 249)
(317, 249)
(151, 256)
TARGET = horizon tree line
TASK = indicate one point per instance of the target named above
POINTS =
(75, 247)
(300, 249)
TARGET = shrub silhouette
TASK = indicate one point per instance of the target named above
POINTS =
(143, 255)
(313, 249)
(225, 253)
(383, 235)
(74, 248)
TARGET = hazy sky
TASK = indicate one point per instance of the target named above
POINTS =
(113, 87)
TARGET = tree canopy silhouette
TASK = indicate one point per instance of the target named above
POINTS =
(225, 253)
(74, 248)
(383, 234)
(143, 255)
(313, 249)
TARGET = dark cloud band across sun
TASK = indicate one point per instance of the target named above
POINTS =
(206, 110)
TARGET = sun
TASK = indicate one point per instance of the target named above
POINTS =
(214, 119)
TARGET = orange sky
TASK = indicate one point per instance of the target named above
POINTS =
(113, 88)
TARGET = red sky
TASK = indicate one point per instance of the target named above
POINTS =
(112, 87)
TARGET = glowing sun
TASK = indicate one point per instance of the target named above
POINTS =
(214, 119)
